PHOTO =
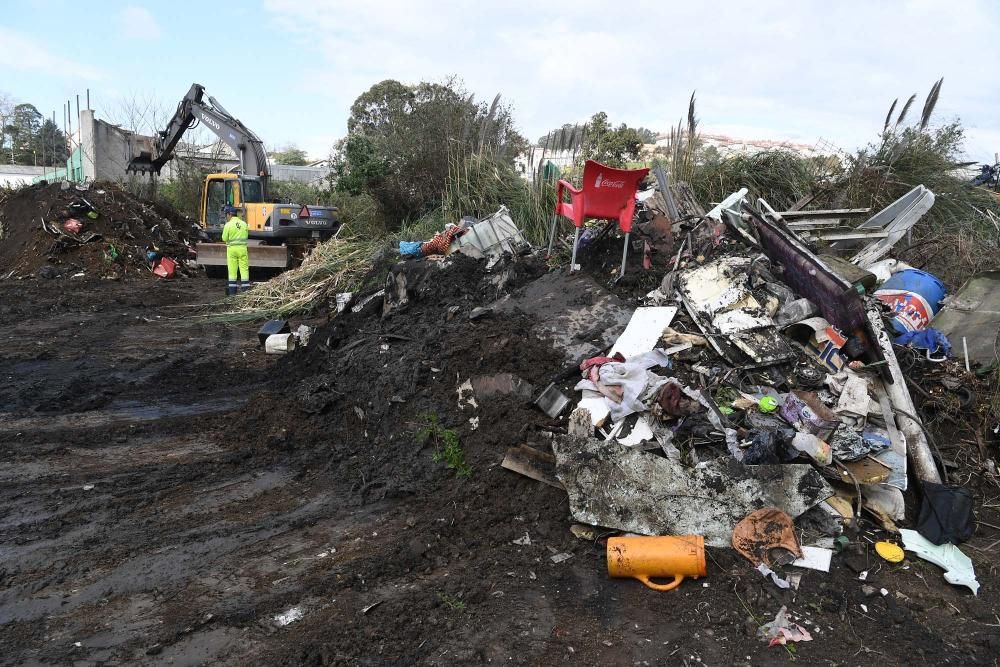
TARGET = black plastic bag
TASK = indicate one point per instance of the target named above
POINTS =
(946, 514)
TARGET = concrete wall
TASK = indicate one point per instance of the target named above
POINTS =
(106, 149)
(311, 175)
(12, 175)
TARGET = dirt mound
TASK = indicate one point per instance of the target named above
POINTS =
(368, 377)
(368, 409)
(116, 230)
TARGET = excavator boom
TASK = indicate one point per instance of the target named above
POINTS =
(198, 106)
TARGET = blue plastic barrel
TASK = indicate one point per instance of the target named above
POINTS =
(915, 296)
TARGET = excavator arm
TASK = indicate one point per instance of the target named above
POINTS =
(197, 106)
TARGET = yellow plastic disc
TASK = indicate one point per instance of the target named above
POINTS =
(889, 551)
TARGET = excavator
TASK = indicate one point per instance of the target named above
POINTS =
(279, 232)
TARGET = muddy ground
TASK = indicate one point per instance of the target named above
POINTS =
(171, 495)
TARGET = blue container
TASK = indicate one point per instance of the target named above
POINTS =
(915, 296)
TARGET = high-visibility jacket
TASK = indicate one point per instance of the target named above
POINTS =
(235, 232)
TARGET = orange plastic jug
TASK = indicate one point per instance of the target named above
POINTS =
(642, 558)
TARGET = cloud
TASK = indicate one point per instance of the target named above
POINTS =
(30, 54)
(798, 71)
(138, 23)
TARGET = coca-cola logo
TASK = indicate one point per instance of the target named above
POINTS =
(600, 182)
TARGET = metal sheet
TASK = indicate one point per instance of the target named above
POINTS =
(810, 277)
(613, 486)
(973, 313)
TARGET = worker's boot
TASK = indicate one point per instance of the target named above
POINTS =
(231, 288)
(244, 286)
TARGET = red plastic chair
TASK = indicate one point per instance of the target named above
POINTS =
(607, 194)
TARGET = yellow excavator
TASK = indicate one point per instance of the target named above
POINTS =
(279, 232)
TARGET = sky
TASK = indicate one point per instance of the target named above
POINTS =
(799, 71)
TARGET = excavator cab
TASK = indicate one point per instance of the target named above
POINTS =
(243, 192)
(246, 194)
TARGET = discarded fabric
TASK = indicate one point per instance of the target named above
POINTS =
(930, 339)
(409, 248)
(763, 530)
(628, 386)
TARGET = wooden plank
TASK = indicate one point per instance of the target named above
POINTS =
(866, 471)
(532, 463)
(802, 203)
(817, 223)
(826, 213)
(850, 236)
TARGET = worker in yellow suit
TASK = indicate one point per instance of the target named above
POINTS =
(234, 235)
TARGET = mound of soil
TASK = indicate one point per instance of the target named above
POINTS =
(34, 240)
(370, 378)
(369, 407)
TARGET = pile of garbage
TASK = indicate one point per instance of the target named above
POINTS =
(755, 397)
(53, 230)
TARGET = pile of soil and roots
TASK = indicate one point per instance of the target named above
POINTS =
(368, 377)
(34, 238)
(369, 409)
(372, 403)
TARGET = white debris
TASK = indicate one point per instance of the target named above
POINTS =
(290, 616)
(466, 395)
(815, 558)
(957, 566)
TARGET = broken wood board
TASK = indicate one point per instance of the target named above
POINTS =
(643, 331)
(765, 347)
(611, 485)
(717, 286)
(842, 506)
(532, 463)
(865, 471)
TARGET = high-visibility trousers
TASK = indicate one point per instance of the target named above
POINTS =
(238, 261)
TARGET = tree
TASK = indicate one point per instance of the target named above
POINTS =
(646, 135)
(401, 139)
(290, 156)
(50, 145)
(6, 109)
(614, 147)
(23, 126)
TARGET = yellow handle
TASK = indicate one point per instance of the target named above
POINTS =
(678, 578)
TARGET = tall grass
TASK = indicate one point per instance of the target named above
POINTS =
(479, 184)
(682, 148)
(338, 265)
(780, 176)
(957, 237)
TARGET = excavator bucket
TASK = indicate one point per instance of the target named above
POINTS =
(261, 256)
